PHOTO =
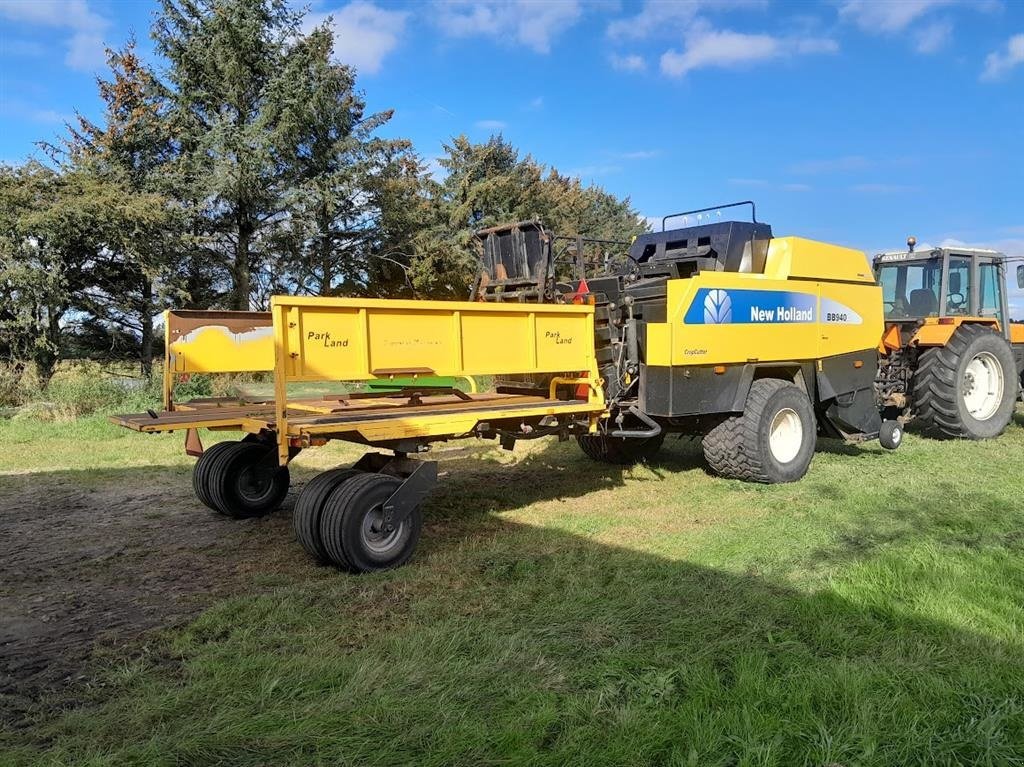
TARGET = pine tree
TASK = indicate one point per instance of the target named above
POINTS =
(229, 87)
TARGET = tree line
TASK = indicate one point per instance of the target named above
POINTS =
(241, 164)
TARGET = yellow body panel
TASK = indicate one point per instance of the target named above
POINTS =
(718, 318)
(360, 339)
(220, 342)
(801, 259)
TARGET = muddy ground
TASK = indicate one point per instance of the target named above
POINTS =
(93, 563)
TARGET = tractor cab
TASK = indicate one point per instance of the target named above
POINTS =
(942, 283)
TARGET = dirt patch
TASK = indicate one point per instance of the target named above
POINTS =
(96, 560)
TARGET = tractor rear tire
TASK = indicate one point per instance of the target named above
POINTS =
(619, 451)
(245, 481)
(309, 510)
(348, 526)
(966, 389)
(773, 439)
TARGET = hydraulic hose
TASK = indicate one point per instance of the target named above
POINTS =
(653, 431)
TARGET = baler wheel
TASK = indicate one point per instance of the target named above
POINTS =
(350, 526)
(771, 441)
(246, 481)
(309, 510)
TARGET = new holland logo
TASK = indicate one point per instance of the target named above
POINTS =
(717, 307)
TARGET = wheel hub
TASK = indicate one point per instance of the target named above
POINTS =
(376, 536)
(982, 386)
(785, 435)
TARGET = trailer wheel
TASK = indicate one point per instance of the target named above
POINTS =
(967, 388)
(618, 451)
(201, 471)
(245, 480)
(350, 531)
(771, 441)
(309, 510)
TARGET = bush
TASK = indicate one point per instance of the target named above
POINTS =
(84, 388)
(18, 384)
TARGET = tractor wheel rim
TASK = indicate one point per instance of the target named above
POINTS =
(376, 539)
(785, 435)
(982, 386)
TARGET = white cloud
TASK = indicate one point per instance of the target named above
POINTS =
(934, 37)
(706, 47)
(363, 33)
(535, 104)
(669, 17)
(887, 15)
(490, 124)
(85, 46)
(998, 63)
(906, 17)
(526, 22)
(628, 62)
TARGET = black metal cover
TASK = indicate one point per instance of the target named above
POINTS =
(733, 245)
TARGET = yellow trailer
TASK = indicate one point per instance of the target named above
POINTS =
(309, 340)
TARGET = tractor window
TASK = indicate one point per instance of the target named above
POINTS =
(911, 289)
(990, 299)
(958, 290)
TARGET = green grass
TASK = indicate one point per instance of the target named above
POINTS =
(563, 612)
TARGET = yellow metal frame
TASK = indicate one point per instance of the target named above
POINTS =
(318, 339)
(322, 339)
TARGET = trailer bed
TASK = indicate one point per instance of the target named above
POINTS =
(358, 418)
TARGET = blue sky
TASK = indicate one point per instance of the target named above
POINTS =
(851, 121)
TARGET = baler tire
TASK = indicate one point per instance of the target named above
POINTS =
(346, 526)
(619, 451)
(740, 446)
(227, 473)
(309, 510)
(938, 400)
(201, 470)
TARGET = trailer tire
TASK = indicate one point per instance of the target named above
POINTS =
(619, 451)
(945, 381)
(772, 441)
(346, 526)
(201, 471)
(309, 510)
(245, 481)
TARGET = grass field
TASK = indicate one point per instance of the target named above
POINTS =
(564, 612)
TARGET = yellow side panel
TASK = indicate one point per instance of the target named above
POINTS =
(359, 339)
(812, 260)
(561, 338)
(484, 338)
(219, 342)
(727, 318)
(850, 318)
(1016, 333)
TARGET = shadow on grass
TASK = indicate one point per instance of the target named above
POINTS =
(507, 643)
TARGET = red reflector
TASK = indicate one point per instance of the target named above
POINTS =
(947, 321)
